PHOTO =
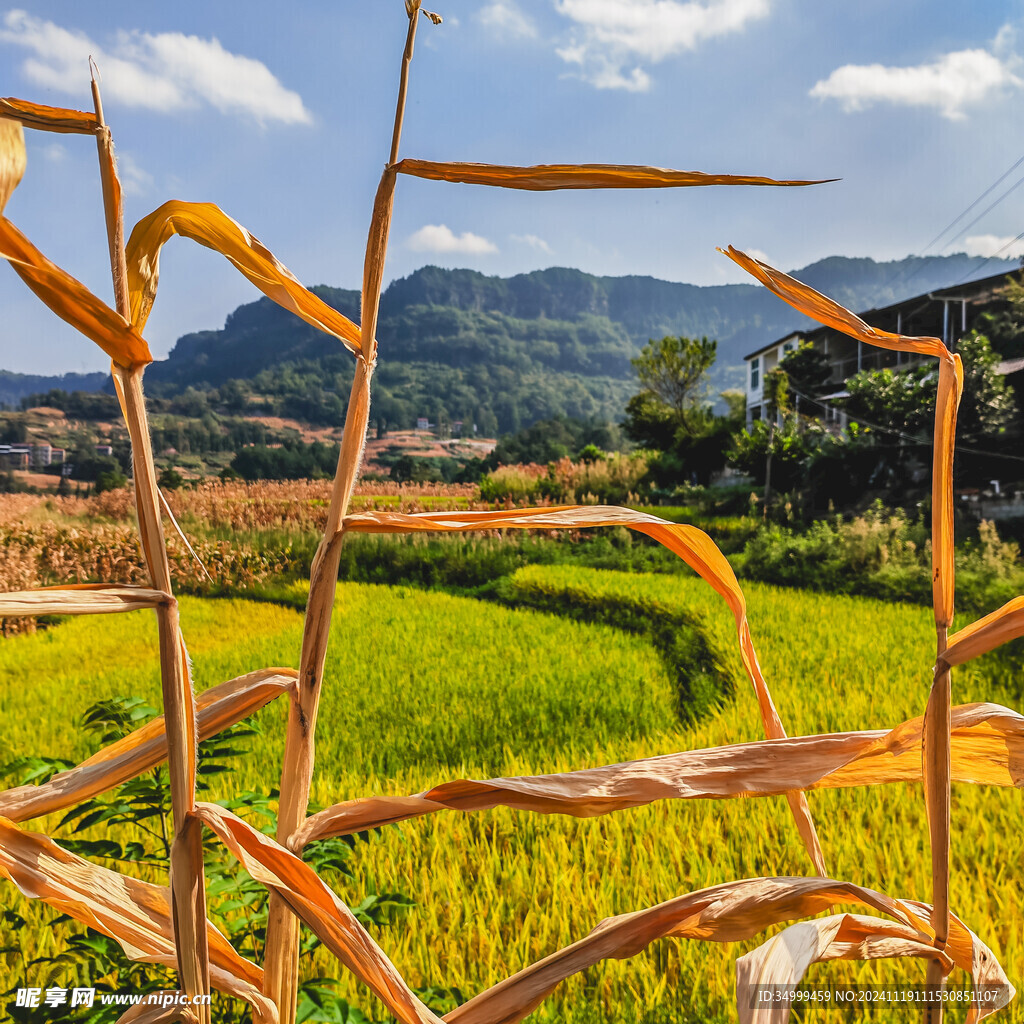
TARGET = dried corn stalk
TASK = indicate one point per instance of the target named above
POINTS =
(981, 744)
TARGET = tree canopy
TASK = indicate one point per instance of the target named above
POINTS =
(673, 372)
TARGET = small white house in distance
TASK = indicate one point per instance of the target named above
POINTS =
(422, 423)
(761, 362)
(947, 314)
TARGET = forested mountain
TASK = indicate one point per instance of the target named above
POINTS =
(505, 352)
(15, 386)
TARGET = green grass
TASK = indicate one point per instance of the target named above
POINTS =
(421, 687)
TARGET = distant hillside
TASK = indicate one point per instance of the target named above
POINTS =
(457, 344)
(16, 386)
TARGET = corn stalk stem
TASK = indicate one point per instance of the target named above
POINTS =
(936, 752)
(403, 82)
(188, 894)
(281, 956)
(935, 748)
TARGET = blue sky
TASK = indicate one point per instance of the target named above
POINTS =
(281, 114)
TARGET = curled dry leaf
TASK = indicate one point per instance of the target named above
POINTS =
(724, 913)
(951, 381)
(783, 960)
(986, 634)
(132, 912)
(730, 912)
(216, 709)
(313, 902)
(72, 301)
(49, 119)
(693, 546)
(547, 177)
(828, 312)
(81, 599)
(12, 158)
(987, 749)
(210, 226)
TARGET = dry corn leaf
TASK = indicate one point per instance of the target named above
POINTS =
(783, 960)
(731, 912)
(72, 301)
(986, 634)
(132, 912)
(546, 177)
(311, 900)
(987, 749)
(828, 312)
(208, 225)
(12, 158)
(49, 119)
(216, 709)
(80, 599)
(693, 546)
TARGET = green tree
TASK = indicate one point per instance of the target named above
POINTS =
(905, 401)
(673, 374)
(808, 370)
(1003, 322)
(170, 479)
(672, 416)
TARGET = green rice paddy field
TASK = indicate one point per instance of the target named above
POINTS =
(423, 686)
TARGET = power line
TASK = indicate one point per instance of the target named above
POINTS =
(963, 214)
(904, 278)
(987, 210)
(993, 256)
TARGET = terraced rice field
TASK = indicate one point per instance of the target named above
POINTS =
(446, 687)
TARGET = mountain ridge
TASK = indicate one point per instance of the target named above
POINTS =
(522, 346)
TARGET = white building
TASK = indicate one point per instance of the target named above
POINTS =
(946, 314)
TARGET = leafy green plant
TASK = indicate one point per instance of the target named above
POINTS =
(141, 809)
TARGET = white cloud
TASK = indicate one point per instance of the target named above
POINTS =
(55, 152)
(759, 255)
(533, 241)
(135, 180)
(505, 18)
(441, 238)
(615, 37)
(950, 84)
(1008, 246)
(166, 72)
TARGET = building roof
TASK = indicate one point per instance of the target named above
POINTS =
(963, 290)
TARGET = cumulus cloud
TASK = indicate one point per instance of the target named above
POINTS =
(533, 241)
(950, 84)
(135, 179)
(613, 39)
(505, 18)
(441, 238)
(1007, 246)
(166, 72)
